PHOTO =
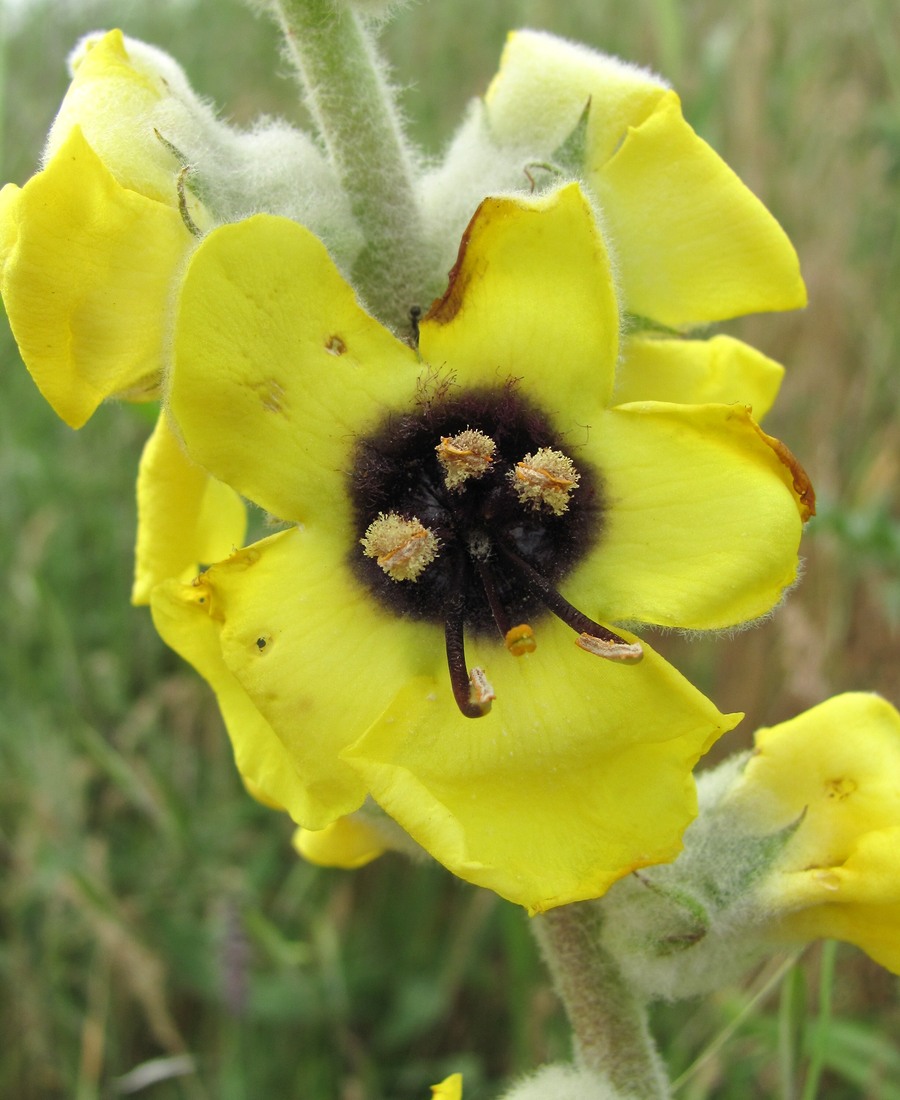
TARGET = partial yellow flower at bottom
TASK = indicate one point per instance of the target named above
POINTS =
(836, 770)
(448, 1089)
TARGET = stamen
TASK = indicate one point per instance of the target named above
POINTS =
(592, 637)
(466, 455)
(402, 547)
(547, 477)
(471, 690)
(518, 639)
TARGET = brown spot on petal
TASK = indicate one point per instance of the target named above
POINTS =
(806, 495)
(444, 309)
(334, 345)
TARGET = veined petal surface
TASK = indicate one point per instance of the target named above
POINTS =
(702, 523)
(185, 517)
(86, 280)
(504, 314)
(720, 370)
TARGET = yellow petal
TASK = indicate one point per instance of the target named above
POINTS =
(293, 625)
(580, 773)
(448, 1089)
(858, 902)
(185, 517)
(839, 765)
(277, 370)
(113, 105)
(545, 82)
(349, 843)
(692, 243)
(181, 616)
(697, 372)
(702, 523)
(531, 294)
(86, 281)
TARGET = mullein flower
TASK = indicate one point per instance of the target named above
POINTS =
(460, 513)
(796, 841)
(690, 243)
(136, 167)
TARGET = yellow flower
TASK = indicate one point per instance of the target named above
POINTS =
(691, 244)
(836, 770)
(91, 248)
(342, 675)
(88, 318)
(448, 1089)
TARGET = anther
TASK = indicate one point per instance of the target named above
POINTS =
(402, 547)
(613, 649)
(466, 455)
(546, 477)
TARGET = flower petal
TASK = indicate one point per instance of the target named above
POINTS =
(580, 773)
(86, 280)
(185, 517)
(277, 370)
(448, 1089)
(702, 522)
(349, 843)
(116, 107)
(693, 244)
(531, 294)
(839, 765)
(544, 84)
(181, 616)
(292, 624)
(697, 372)
(858, 902)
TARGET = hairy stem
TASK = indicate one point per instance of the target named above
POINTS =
(610, 1025)
(353, 107)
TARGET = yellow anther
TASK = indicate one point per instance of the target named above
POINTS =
(546, 478)
(520, 639)
(466, 455)
(402, 547)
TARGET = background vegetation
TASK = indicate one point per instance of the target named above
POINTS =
(158, 936)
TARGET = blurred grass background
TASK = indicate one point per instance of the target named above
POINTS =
(157, 936)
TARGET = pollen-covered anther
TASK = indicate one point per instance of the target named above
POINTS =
(481, 694)
(466, 455)
(402, 547)
(617, 650)
(546, 477)
(520, 639)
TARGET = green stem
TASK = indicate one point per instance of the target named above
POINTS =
(609, 1023)
(353, 107)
